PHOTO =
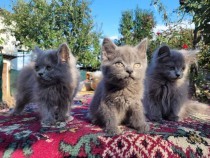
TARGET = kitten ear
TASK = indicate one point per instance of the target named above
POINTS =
(163, 51)
(108, 49)
(142, 48)
(63, 52)
(37, 50)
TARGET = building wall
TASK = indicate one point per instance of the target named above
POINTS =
(8, 44)
(9, 40)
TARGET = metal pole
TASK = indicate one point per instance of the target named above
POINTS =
(23, 57)
(1, 49)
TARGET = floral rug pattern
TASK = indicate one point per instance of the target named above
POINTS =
(24, 136)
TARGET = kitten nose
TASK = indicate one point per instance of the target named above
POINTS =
(177, 74)
(129, 70)
(40, 74)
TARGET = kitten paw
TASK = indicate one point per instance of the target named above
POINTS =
(48, 122)
(159, 121)
(156, 119)
(61, 119)
(69, 119)
(112, 131)
(14, 113)
(173, 118)
(66, 118)
(143, 128)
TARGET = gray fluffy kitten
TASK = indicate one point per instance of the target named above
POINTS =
(117, 97)
(166, 83)
(51, 82)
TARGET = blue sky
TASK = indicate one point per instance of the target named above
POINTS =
(107, 13)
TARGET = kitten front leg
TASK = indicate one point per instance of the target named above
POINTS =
(153, 112)
(137, 120)
(109, 117)
(111, 126)
(175, 108)
(47, 113)
(63, 112)
(18, 109)
(20, 104)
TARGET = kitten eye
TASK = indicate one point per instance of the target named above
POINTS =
(171, 67)
(138, 65)
(183, 68)
(48, 67)
(36, 68)
(119, 64)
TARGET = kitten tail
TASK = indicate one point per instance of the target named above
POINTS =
(196, 109)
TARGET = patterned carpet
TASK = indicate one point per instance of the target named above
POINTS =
(23, 136)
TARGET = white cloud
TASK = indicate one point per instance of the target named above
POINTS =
(184, 24)
(161, 28)
(113, 37)
(110, 37)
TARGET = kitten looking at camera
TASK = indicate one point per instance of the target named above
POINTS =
(117, 97)
(166, 85)
(51, 82)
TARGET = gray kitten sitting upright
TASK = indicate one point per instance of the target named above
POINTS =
(166, 85)
(117, 97)
(51, 82)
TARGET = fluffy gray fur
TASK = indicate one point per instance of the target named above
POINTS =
(51, 82)
(117, 97)
(166, 83)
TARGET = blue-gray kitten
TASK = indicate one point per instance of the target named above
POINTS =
(51, 82)
(117, 97)
(166, 85)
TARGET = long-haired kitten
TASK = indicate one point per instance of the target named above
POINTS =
(51, 82)
(117, 97)
(166, 85)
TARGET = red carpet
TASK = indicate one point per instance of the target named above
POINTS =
(23, 136)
